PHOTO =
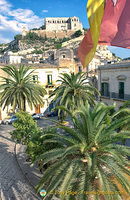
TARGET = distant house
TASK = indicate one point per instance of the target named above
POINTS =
(10, 58)
(114, 83)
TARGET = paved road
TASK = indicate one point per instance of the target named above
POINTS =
(44, 122)
(13, 185)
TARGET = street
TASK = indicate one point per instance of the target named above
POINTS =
(13, 185)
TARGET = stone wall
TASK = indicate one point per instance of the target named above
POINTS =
(54, 34)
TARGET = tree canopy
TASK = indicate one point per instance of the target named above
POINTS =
(19, 89)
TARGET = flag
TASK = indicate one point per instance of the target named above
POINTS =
(111, 28)
(115, 27)
(87, 48)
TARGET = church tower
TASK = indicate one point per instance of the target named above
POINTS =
(24, 31)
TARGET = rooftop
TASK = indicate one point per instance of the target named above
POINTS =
(125, 64)
(36, 65)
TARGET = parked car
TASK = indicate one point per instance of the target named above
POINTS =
(36, 116)
(42, 114)
(52, 114)
(10, 120)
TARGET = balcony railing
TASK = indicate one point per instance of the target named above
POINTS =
(50, 85)
(120, 96)
(116, 96)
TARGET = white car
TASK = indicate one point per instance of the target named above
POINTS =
(10, 120)
(36, 116)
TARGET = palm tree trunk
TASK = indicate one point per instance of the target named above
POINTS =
(24, 104)
(0, 114)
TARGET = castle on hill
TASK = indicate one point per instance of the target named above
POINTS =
(58, 27)
(63, 23)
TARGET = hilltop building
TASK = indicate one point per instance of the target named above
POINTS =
(63, 23)
(58, 27)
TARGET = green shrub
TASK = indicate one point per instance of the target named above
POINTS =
(34, 36)
(25, 126)
(58, 46)
(36, 146)
(18, 37)
(65, 39)
(38, 51)
(77, 33)
(42, 27)
(14, 50)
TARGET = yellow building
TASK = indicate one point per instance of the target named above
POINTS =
(46, 75)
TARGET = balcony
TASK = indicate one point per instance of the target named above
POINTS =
(117, 96)
(120, 96)
(50, 85)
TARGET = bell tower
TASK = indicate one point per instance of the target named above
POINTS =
(24, 31)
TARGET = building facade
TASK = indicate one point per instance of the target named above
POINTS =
(10, 58)
(114, 83)
(46, 75)
(63, 23)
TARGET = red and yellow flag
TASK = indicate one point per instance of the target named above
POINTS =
(109, 24)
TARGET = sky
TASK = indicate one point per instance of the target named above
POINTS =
(15, 14)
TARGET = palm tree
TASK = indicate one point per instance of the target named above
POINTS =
(90, 164)
(19, 89)
(73, 89)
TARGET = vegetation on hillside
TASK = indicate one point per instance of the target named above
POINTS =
(2, 50)
(127, 58)
(18, 37)
(77, 34)
(32, 38)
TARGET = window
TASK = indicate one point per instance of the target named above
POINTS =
(63, 56)
(80, 69)
(121, 90)
(105, 89)
(74, 24)
(49, 79)
(35, 78)
(50, 92)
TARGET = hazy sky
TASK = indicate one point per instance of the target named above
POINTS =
(14, 14)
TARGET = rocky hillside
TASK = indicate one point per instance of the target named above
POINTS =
(37, 43)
